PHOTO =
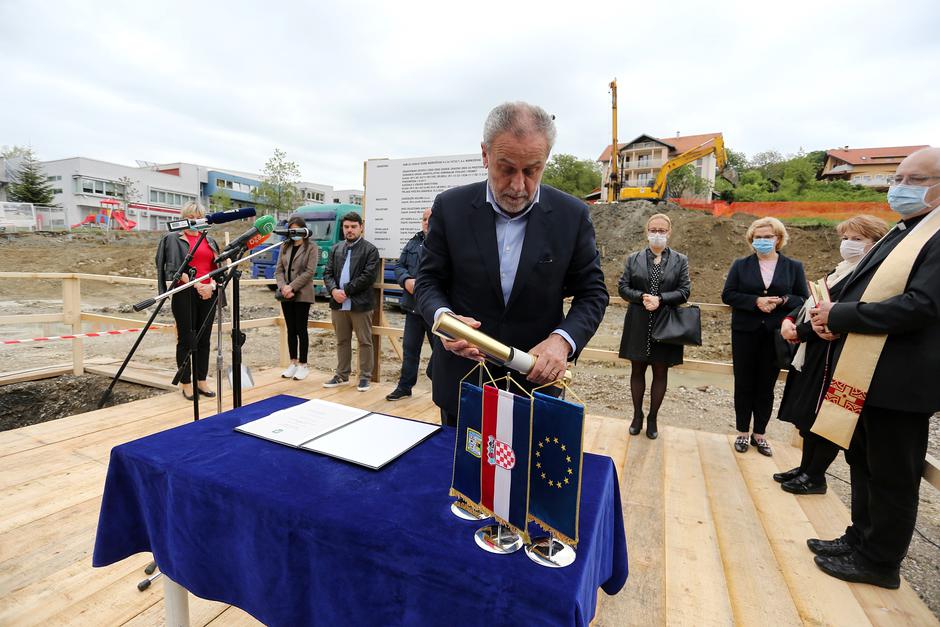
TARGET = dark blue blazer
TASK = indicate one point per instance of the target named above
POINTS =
(460, 270)
(744, 285)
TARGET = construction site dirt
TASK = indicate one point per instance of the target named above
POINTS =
(697, 400)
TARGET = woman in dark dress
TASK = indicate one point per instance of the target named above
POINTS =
(811, 369)
(761, 288)
(654, 277)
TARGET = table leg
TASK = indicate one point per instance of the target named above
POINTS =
(176, 598)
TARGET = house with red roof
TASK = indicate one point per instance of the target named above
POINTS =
(641, 159)
(871, 167)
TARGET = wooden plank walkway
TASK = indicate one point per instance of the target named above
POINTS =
(712, 539)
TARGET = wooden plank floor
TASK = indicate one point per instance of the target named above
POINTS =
(712, 539)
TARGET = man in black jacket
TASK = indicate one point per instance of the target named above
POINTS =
(503, 254)
(415, 327)
(886, 454)
(349, 274)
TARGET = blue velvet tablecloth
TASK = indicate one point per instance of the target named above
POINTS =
(296, 538)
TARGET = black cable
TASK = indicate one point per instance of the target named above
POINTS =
(919, 532)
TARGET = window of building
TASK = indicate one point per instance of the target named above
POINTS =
(53, 178)
(57, 190)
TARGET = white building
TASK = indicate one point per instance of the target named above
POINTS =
(348, 196)
(314, 193)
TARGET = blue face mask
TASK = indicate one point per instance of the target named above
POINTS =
(764, 246)
(908, 199)
(296, 238)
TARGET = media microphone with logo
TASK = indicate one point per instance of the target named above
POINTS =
(262, 229)
(219, 217)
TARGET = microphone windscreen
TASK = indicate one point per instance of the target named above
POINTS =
(265, 224)
(220, 217)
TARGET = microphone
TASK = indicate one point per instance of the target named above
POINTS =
(263, 228)
(293, 232)
(219, 217)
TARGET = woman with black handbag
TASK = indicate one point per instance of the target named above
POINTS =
(761, 289)
(296, 267)
(811, 368)
(653, 278)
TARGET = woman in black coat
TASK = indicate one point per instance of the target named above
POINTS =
(654, 277)
(761, 289)
(812, 365)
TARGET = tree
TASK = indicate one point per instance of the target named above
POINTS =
(684, 181)
(29, 183)
(770, 163)
(578, 177)
(12, 152)
(125, 190)
(220, 200)
(278, 191)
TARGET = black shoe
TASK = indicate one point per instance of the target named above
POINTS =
(651, 431)
(763, 446)
(804, 484)
(740, 444)
(398, 394)
(829, 548)
(207, 394)
(850, 568)
(793, 473)
(636, 425)
(188, 397)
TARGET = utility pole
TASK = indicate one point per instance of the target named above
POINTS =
(613, 182)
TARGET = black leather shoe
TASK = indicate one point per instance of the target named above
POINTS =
(829, 548)
(793, 473)
(636, 425)
(651, 431)
(398, 394)
(763, 446)
(850, 568)
(188, 397)
(207, 393)
(740, 444)
(804, 484)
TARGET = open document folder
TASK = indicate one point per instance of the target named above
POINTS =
(355, 435)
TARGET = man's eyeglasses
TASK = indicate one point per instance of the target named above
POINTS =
(913, 179)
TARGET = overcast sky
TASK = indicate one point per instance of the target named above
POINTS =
(224, 83)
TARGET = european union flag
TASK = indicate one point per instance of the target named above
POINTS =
(555, 484)
(469, 448)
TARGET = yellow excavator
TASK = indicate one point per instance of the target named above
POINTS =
(657, 191)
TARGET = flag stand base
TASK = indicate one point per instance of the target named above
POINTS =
(497, 539)
(550, 552)
(461, 512)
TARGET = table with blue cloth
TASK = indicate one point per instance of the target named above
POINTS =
(297, 538)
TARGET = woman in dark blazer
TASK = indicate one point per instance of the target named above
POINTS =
(761, 289)
(811, 369)
(296, 266)
(653, 278)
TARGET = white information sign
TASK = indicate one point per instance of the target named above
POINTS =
(399, 190)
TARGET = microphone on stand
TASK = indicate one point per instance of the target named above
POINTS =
(262, 229)
(293, 232)
(219, 217)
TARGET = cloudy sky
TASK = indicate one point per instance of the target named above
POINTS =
(224, 83)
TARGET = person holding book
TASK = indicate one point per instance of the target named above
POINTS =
(811, 369)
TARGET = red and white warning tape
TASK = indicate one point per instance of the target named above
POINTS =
(80, 335)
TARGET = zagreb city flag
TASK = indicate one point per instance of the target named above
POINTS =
(469, 448)
(557, 436)
(504, 469)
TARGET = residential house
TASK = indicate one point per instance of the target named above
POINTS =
(641, 159)
(870, 167)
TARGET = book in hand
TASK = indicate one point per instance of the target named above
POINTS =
(819, 290)
(354, 435)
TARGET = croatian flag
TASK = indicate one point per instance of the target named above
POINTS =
(504, 469)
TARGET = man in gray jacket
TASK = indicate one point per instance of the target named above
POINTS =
(350, 272)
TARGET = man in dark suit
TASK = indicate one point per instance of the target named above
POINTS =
(503, 254)
(886, 454)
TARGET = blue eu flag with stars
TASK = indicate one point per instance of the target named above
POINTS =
(555, 478)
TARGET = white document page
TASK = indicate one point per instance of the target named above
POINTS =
(302, 423)
(373, 441)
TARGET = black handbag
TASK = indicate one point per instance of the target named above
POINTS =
(678, 325)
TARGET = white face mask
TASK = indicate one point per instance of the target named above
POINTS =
(851, 249)
(657, 240)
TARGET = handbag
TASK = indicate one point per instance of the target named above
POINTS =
(678, 325)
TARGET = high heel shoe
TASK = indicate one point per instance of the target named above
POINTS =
(651, 432)
(637, 425)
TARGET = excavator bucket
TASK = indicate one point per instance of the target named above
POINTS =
(729, 174)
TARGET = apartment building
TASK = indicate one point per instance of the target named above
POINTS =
(641, 159)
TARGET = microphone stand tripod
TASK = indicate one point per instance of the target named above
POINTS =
(184, 267)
